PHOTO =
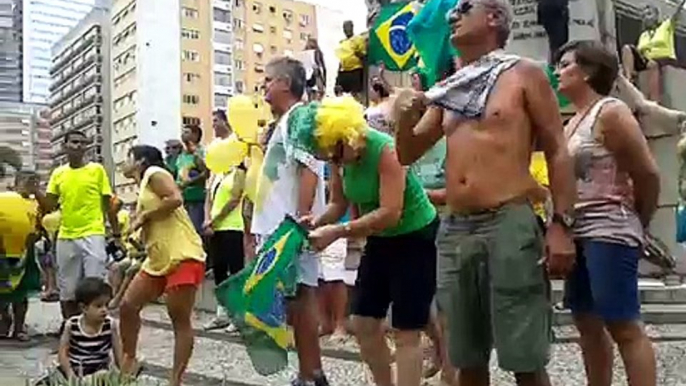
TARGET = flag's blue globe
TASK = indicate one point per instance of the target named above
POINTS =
(400, 42)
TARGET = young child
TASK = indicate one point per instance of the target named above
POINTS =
(122, 272)
(90, 341)
(46, 255)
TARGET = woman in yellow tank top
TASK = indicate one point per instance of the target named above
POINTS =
(175, 262)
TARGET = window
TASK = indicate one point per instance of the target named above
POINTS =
(238, 3)
(191, 99)
(303, 36)
(221, 15)
(287, 34)
(239, 65)
(190, 33)
(272, 29)
(259, 68)
(239, 44)
(222, 37)
(222, 58)
(190, 121)
(272, 9)
(191, 56)
(273, 49)
(258, 28)
(304, 20)
(222, 79)
(191, 77)
(221, 101)
(287, 16)
(257, 8)
(288, 53)
(238, 23)
(190, 13)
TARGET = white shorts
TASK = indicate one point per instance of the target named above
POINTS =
(307, 264)
(77, 259)
(332, 267)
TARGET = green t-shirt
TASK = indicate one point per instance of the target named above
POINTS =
(186, 166)
(361, 187)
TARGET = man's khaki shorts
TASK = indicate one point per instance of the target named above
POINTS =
(493, 289)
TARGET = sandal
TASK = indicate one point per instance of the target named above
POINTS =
(21, 336)
(50, 297)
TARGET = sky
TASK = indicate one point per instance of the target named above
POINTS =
(355, 10)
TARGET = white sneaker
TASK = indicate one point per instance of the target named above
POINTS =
(231, 329)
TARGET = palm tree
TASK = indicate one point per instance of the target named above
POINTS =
(9, 157)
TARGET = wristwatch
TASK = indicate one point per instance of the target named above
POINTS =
(567, 220)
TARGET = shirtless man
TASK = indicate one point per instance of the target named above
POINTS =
(492, 284)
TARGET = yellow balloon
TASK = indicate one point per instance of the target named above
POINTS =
(243, 117)
(17, 221)
(254, 171)
(224, 154)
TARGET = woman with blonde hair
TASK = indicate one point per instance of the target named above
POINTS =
(398, 267)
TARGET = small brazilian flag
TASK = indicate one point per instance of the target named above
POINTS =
(388, 40)
(255, 298)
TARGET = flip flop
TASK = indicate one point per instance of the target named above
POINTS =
(21, 336)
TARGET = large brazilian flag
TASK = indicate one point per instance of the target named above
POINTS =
(255, 298)
(388, 40)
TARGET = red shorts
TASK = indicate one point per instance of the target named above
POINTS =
(188, 272)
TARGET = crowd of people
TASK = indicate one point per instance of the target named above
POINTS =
(441, 213)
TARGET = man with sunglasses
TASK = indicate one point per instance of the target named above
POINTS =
(172, 149)
(492, 282)
(292, 183)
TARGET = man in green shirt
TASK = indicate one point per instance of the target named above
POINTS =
(172, 148)
(192, 174)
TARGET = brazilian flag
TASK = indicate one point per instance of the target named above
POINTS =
(555, 83)
(255, 298)
(388, 39)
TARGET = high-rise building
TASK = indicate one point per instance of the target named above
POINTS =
(24, 128)
(80, 88)
(270, 28)
(196, 64)
(146, 64)
(222, 52)
(10, 51)
(44, 22)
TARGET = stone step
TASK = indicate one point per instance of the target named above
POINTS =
(652, 291)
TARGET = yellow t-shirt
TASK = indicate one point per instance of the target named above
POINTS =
(658, 43)
(347, 53)
(80, 193)
(170, 240)
(539, 171)
(124, 219)
(222, 187)
(18, 216)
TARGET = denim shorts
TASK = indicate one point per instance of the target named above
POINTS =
(605, 281)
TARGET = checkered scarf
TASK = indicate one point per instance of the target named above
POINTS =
(466, 92)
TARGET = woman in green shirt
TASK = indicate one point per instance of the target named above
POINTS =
(398, 267)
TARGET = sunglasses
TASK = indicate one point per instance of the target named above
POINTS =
(461, 9)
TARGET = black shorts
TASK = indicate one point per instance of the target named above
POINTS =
(400, 272)
(351, 81)
(225, 251)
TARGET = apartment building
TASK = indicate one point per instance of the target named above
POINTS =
(270, 28)
(222, 52)
(80, 88)
(147, 76)
(44, 22)
(10, 51)
(196, 63)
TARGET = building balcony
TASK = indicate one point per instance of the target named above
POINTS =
(71, 74)
(96, 100)
(93, 40)
(88, 81)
